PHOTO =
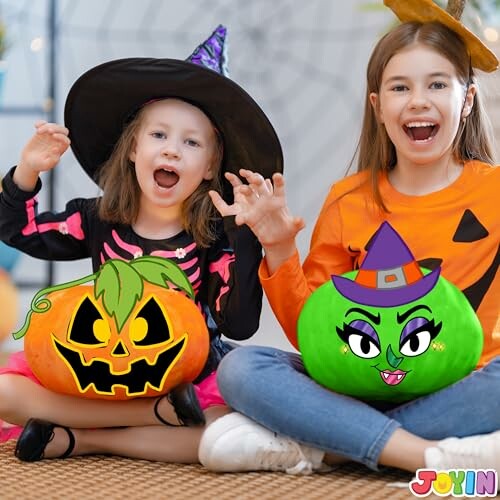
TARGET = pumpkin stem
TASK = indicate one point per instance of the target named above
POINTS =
(41, 304)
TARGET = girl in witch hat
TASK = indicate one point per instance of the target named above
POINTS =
(156, 135)
(425, 165)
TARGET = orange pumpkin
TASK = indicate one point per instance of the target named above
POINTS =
(118, 339)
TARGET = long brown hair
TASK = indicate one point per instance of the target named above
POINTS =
(375, 151)
(121, 197)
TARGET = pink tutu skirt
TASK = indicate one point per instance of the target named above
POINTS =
(207, 391)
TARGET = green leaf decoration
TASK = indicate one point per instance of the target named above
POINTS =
(161, 271)
(121, 287)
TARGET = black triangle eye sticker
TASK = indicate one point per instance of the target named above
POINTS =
(469, 229)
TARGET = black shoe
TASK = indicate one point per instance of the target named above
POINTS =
(36, 435)
(186, 405)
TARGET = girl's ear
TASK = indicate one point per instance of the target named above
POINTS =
(213, 165)
(469, 100)
(132, 154)
(133, 150)
(209, 174)
(374, 101)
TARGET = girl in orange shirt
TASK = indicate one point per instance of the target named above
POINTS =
(426, 167)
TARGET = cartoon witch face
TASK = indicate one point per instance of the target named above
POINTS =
(390, 331)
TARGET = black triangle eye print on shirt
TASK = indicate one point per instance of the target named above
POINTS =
(469, 229)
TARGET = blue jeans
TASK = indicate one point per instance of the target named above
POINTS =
(271, 387)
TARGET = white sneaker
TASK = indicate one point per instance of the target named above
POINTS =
(472, 452)
(234, 443)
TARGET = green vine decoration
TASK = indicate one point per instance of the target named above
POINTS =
(41, 304)
(119, 285)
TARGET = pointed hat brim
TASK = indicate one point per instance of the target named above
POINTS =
(426, 11)
(393, 297)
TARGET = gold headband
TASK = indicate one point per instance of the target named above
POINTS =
(426, 11)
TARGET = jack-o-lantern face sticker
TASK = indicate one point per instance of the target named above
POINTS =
(390, 331)
(127, 336)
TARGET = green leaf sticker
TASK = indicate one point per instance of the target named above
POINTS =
(161, 272)
(121, 287)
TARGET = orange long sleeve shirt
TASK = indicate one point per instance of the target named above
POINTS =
(457, 228)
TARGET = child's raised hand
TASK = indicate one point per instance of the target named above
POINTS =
(45, 148)
(261, 205)
(41, 153)
(237, 206)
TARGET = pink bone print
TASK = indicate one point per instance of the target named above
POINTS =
(173, 253)
(221, 266)
(112, 254)
(133, 250)
(136, 251)
(72, 225)
(223, 291)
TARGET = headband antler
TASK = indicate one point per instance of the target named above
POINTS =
(455, 8)
(427, 11)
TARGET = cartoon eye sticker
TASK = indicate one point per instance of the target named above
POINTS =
(151, 325)
(417, 336)
(89, 326)
(361, 338)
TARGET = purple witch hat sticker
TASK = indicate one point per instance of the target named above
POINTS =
(389, 275)
(212, 53)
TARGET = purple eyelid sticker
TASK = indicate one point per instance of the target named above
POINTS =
(366, 328)
(411, 326)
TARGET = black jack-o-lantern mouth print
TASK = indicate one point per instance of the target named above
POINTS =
(149, 330)
(135, 380)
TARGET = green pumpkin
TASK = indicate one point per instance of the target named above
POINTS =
(389, 353)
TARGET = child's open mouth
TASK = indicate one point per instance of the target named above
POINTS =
(165, 178)
(421, 131)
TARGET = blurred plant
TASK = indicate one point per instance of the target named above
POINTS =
(4, 45)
